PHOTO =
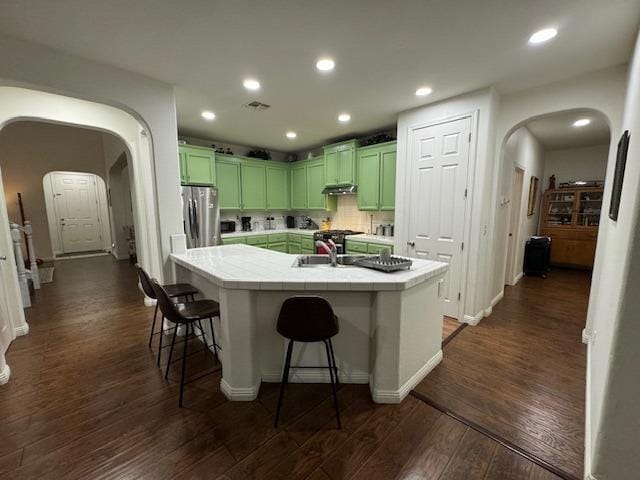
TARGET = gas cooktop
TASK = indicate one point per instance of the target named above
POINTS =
(339, 232)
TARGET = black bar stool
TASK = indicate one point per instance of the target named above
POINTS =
(175, 290)
(186, 314)
(308, 319)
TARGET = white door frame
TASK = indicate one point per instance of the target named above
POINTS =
(401, 243)
(52, 217)
(514, 205)
(18, 104)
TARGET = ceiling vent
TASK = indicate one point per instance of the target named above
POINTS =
(257, 106)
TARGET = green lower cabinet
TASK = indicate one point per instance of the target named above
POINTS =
(376, 248)
(233, 240)
(279, 247)
(258, 240)
(254, 186)
(307, 245)
(277, 187)
(356, 247)
(228, 183)
(295, 248)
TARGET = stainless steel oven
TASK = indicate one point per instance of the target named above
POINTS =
(336, 235)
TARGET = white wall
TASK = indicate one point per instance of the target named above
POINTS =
(602, 91)
(526, 152)
(613, 389)
(483, 104)
(28, 151)
(586, 163)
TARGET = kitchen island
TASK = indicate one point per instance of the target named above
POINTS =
(390, 323)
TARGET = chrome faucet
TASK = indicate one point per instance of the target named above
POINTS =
(331, 249)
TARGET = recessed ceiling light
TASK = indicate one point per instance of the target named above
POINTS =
(291, 135)
(424, 91)
(208, 115)
(583, 122)
(325, 64)
(251, 84)
(344, 117)
(542, 36)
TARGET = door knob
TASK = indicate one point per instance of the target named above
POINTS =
(411, 244)
(3, 257)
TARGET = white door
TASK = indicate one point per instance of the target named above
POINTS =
(439, 158)
(76, 204)
(517, 181)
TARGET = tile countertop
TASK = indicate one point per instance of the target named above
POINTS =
(364, 237)
(252, 268)
(240, 233)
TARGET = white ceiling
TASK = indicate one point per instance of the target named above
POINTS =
(383, 50)
(556, 132)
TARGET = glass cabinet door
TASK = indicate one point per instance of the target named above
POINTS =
(560, 209)
(589, 206)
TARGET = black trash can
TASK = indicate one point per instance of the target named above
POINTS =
(537, 256)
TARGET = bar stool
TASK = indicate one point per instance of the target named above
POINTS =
(175, 290)
(185, 314)
(308, 319)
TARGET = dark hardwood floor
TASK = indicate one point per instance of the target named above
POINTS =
(86, 401)
(520, 373)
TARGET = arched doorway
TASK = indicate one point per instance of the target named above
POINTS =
(19, 104)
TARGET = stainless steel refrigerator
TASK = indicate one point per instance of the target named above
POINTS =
(201, 216)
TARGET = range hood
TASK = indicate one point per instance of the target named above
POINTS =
(341, 190)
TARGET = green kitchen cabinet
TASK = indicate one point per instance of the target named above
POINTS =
(234, 240)
(277, 187)
(254, 186)
(295, 248)
(355, 246)
(299, 187)
(316, 200)
(197, 165)
(228, 183)
(340, 163)
(279, 247)
(376, 248)
(376, 166)
(368, 179)
(307, 245)
(258, 240)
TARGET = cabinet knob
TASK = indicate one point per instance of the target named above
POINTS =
(411, 244)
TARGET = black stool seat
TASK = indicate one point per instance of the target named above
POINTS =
(198, 310)
(307, 319)
(180, 289)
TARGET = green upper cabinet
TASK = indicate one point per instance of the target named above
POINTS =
(254, 186)
(228, 183)
(377, 177)
(299, 187)
(197, 165)
(340, 163)
(277, 187)
(368, 179)
(315, 186)
(388, 178)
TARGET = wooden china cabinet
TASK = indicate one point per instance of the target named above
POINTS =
(571, 216)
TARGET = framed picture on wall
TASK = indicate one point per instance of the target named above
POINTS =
(533, 196)
(618, 176)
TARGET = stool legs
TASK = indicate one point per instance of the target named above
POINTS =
(285, 380)
(161, 335)
(173, 342)
(333, 359)
(184, 364)
(153, 325)
(333, 370)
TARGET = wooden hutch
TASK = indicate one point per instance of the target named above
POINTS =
(571, 216)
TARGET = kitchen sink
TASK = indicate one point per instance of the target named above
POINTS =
(316, 260)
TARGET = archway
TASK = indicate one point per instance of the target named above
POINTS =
(18, 104)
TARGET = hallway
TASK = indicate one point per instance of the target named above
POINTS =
(520, 373)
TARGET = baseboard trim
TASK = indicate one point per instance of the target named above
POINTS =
(319, 375)
(397, 396)
(88, 255)
(497, 299)
(5, 374)
(149, 302)
(22, 330)
(587, 337)
(239, 394)
(474, 319)
(517, 279)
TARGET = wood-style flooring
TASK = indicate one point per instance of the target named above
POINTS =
(520, 373)
(87, 401)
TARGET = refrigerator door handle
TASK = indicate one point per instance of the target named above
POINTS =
(190, 220)
(195, 221)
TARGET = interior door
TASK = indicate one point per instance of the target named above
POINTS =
(76, 203)
(439, 157)
(513, 241)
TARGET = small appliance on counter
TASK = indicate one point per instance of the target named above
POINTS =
(336, 235)
(246, 224)
(269, 223)
(307, 223)
(387, 230)
(291, 221)
(227, 226)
